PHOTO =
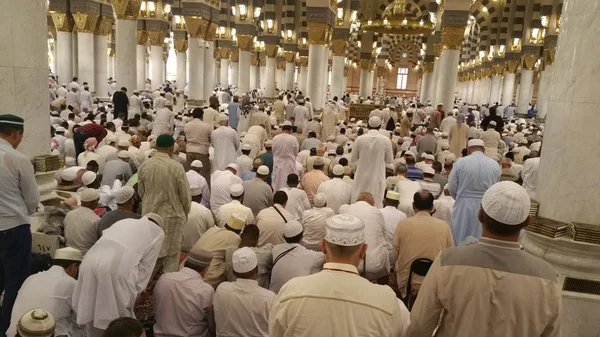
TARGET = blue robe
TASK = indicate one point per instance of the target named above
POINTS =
(469, 179)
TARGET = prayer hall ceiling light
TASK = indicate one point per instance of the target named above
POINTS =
(395, 21)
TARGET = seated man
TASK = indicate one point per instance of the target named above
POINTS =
(183, 301)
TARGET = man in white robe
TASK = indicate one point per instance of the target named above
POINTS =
(135, 104)
(163, 120)
(195, 178)
(115, 271)
(301, 115)
(244, 162)
(329, 119)
(226, 143)
(338, 191)
(371, 153)
(255, 137)
(285, 149)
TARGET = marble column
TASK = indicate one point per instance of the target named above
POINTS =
(317, 68)
(196, 64)
(156, 59)
(85, 50)
(446, 83)
(290, 70)
(364, 90)
(543, 91)
(270, 76)
(427, 82)
(234, 73)
(508, 85)
(435, 82)
(261, 74)
(484, 94)
(101, 57)
(470, 90)
(64, 54)
(111, 66)
(280, 82)
(125, 61)
(526, 85)
(24, 72)
(181, 69)
(253, 77)
(245, 46)
(337, 76)
(209, 68)
(496, 88)
(224, 73)
(304, 77)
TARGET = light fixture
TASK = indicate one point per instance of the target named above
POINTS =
(257, 12)
(432, 17)
(358, 44)
(484, 9)
(167, 8)
(143, 8)
(369, 22)
(151, 8)
(423, 46)
(544, 20)
(421, 23)
(270, 26)
(339, 20)
(222, 31)
(304, 42)
(289, 34)
(501, 49)
(243, 12)
(233, 10)
(481, 54)
(516, 44)
(404, 22)
(385, 22)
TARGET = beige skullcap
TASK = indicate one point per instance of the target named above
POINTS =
(124, 154)
(263, 170)
(196, 163)
(428, 170)
(392, 195)
(292, 228)
(88, 178)
(36, 323)
(236, 190)
(475, 142)
(320, 199)
(268, 143)
(374, 122)
(89, 195)
(236, 223)
(123, 142)
(199, 257)
(68, 253)
(195, 190)
(246, 147)
(318, 161)
(338, 170)
(507, 203)
(345, 230)
(123, 194)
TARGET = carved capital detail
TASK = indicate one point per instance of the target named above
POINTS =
(428, 67)
(498, 69)
(549, 56)
(193, 26)
(156, 37)
(338, 47)
(126, 9)
(223, 53)
(529, 61)
(85, 22)
(211, 31)
(181, 45)
(63, 21)
(319, 33)
(290, 56)
(141, 37)
(512, 66)
(366, 65)
(452, 37)
(271, 50)
(245, 42)
(235, 57)
(304, 61)
(104, 26)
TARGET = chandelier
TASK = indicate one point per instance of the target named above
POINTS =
(395, 21)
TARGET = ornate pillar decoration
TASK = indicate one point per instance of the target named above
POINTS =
(245, 48)
(64, 23)
(453, 29)
(486, 83)
(156, 39)
(366, 85)
(290, 69)
(85, 14)
(338, 50)
(196, 27)
(508, 87)
(303, 71)
(235, 58)
(272, 66)
(103, 29)
(543, 97)
(223, 54)
(127, 12)
(209, 59)
(427, 78)
(320, 22)
(526, 85)
(140, 52)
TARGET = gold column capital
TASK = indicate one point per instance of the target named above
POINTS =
(498, 69)
(104, 26)
(181, 45)
(223, 53)
(304, 61)
(437, 50)
(271, 50)
(245, 42)
(211, 31)
(549, 56)
(381, 71)
(528, 61)
(452, 37)
(126, 9)
(63, 22)
(319, 33)
(165, 56)
(487, 72)
(156, 37)
(290, 56)
(235, 57)
(366, 65)
(512, 65)
(281, 64)
(346, 71)
(141, 37)
(428, 67)
(85, 22)
(254, 61)
(338, 47)
(196, 26)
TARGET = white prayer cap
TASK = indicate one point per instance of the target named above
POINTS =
(196, 190)
(268, 143)
(36, 322)
(429, 156)
(523, 141)
(236, 223)
(244, 260)
(222, 118)
(69, 174)
(286, 123)
(88, 178)
(445, 146)
(428, 170)
(199, 257)
(390, 167)
(318, 161)
(246, 147)
(60, 129)
(409, 153)
(123, 142)
(507, 203)
(331, 152)
(89, 195)
(352, 119)
(124, 155)
(68, 253)
(263, 170)
(338, 170)
(445, 134)
(233, 166)
(492, 123)
(156, 218)
(392, 195)
(236, 190)
(331, 138)
(292, 228)
(475, 142)
(320, 199)
(345, 230)
(196, 163)
(374, 122)
(123, 194)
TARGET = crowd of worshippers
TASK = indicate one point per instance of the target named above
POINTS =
(248, 218)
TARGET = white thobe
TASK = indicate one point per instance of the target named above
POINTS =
(299, 261)
(220, 194)
(226, 143)
(81, 229)
(392, 217)
(115, 270)
(244, 164)
(285, 151)
(377, 256)
(272, 225)
(234, 208)
(314, 221)
(163, 122)
(297, 201)
(242, 308)
(85, 99)
(371, 152)
(531, 168)
(443, 209)
(200, 219)
(51, 290)
(255, 137)
(329, 120)
(159, 103)
(338, 193)
(407, 189)
(137, 156)
(301, 115)
(73, 99)
(447, 124)
(195, 178)
(135, 105)
(62, 92)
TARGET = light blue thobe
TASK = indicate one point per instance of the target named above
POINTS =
(469, 179)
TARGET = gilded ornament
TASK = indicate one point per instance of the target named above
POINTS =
(529, 61)
(85, 22)
(271, 50)
(290, 56)
(319, 33)
(512, 66)
(245, 42)
(181, 45)
(452, 37)
(63, 21)
(104, 26)
(338, 47)
(549, 55)
(498, 69)
(304, 61)
(156, 37)
(126, 9)
(141, 37)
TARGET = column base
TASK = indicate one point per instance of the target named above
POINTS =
(572, 260)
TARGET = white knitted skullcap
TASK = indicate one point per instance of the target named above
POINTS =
(320, 199)
(244, 260)
(345, 230)
(507, 203)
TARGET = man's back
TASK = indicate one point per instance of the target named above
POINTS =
(161, 181)
(328, 304)
(294, 260)
(216, 240)
(258, 195)
(272, 224)
(492, 288)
